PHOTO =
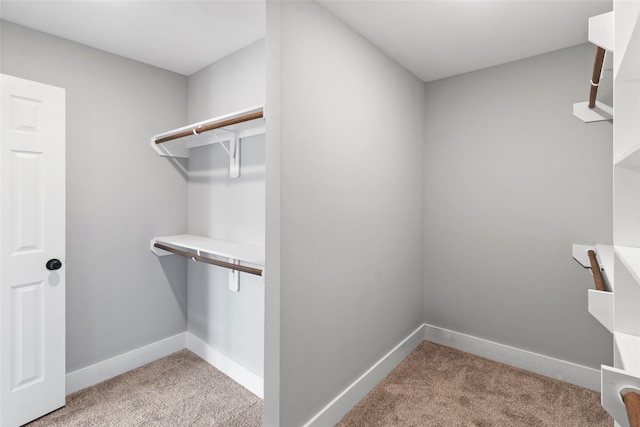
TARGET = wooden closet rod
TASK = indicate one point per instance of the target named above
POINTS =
(631, 401)
(199, 130)
(201, 258)
(595, 269)
(595, 77)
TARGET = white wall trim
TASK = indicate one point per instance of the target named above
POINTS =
(354, 393)
(562, 370)
(102, 371)
(335, 410)
(572, 373)
(243, 376)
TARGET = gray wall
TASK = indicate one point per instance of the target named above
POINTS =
(511, 181)
(351, 215)
(229, 209)
(356, 204)
(119, 192)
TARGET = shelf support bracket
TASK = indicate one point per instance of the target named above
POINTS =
(234, 277)
(234, 153)
(234, 156)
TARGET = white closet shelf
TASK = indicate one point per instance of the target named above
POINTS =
(615, 381)
(600, 34)
(628, 352)
(630, 257)
(230, 129)
(600, 303)
(601, 112)
(630, 159)
(630, 61)
(201, 247)
(601, 30)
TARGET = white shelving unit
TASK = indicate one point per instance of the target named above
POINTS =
(620, 311)
(228, 131)
(627, 352)
(600, 34)
(626, 210)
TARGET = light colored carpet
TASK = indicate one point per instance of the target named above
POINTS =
(435, 386)
(441, 386)
(178, 390)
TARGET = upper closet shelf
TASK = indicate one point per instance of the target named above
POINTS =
(600, 34)
(225, 130)
(627, 60)
(630, 62)
(601, 30)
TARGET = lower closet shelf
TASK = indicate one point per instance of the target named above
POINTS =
(627, 352)
(615, 383)
(202, 248)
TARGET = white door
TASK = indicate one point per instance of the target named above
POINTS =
(32, 232)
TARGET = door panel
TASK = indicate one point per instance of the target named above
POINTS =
(32, 231)
(27, 216)
(27, 335)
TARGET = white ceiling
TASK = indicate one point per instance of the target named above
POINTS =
(433, 39)
(181, 36)
(436, 39)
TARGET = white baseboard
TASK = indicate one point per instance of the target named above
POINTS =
(336, 409)
(345, 401)
(102, 371)
(544, 365)
(534, 362)
(243, 376)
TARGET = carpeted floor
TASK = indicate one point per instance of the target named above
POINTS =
(434, 386)
(441, 386)
(178, 390)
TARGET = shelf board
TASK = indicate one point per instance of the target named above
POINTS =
(629, 65)
(630, 257)
(599, 113)
(629, 159)
(601, 30)
(180, 147)
(615, 380)
(251, 254)
(628, 351)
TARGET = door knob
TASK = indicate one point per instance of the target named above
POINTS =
(53, 264)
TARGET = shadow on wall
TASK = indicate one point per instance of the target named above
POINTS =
(181, 165)
(175, 270)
